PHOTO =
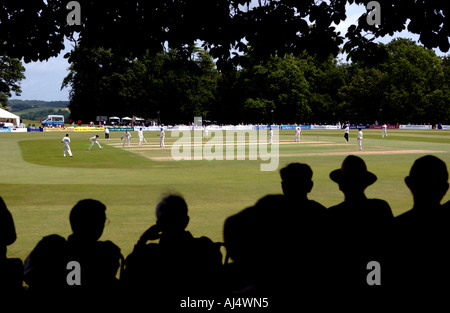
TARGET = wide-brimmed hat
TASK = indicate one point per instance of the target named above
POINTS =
(353, 169)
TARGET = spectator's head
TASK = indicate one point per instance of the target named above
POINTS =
(296, 178)
(428, 179)
(172, 214)
(353, 176)
(87, 219)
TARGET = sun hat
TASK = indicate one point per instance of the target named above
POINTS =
(353, 169)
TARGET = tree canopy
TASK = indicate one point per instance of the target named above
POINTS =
(428, 19)
(35, 30)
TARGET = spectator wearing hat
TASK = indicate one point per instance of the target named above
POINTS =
(358, 227)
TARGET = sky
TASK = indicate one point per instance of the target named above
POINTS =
(43, 79)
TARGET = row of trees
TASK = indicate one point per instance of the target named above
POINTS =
(411, 84)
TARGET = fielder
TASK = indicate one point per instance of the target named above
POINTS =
(141, 137)
(384, 131)
(126, 138)
(298, 133)
(270, 136)
(206, 132)
(66, 146)
(359, 139)
(162, 135)
(94, 140)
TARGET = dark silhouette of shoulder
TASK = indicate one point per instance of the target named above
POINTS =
(358, 231)
(46, 268)
(422, 233)
(11, 269)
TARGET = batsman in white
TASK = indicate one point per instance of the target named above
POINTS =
(298, 132)
(66, 146)
(141, 136)
(94, 140)
(126, 138)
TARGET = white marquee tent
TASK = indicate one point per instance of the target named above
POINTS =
(8, 117)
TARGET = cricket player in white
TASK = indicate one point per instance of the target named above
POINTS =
(94, 140)
(298, 132)
(384, 131)
(141, 136)
(126, 138)
(162, 135)
(270, 136)
(359, 139)
(66, 146)
(206, 132)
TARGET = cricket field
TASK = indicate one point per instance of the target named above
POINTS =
(40, 186)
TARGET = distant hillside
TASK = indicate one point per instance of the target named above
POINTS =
(19, 105)
(35, 109)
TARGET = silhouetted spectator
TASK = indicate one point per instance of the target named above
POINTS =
(276, 252)
(359, 228)
(296, 183)
(11, 270)
(253, 242)
(46, 268)
(100, 260)
(161, 274)
(422, 234)
(303, 224)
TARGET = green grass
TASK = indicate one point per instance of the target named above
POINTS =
(40, 186)
(51, 155)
